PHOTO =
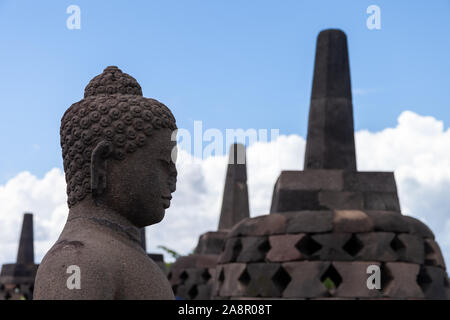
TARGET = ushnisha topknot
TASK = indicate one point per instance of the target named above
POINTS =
(113, 110)
(111, 81)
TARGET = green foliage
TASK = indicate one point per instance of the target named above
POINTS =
(173, 253)
(329, 284)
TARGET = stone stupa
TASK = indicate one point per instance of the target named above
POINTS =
(330, 222)
(17, 279)
(192, 276)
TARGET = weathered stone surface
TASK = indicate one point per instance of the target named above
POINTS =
(418, 227)
(254, 249)
(305, 279)
(309, 221)
(204, 292)
(354, 280)
(398, 280)
(235, 206)
(340, 200)
(332, 247)
(434, 282)
(211, 242)
(265, 280)
(311, 180)
(295, 200)
(376, 246)
(381, 201)
(233, 247)
(369, 181)
(388, 221)
(409, 248)
(331, 146)
(260, 226)
(351, 221)
(284, 248)
(228, 281)
(433, 254)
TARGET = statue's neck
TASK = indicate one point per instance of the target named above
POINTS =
(104, 216)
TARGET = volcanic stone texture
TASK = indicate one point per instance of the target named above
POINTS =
(281, 259)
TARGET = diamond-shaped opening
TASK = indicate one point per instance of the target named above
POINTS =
(353, 245)
(193, 292)
(206, 275)
(244, 278)
(174, 289)
(308, 245)
(281, 279)
(183, 276)
(331, 279)
(424, 280)
(221, 276)
(237, 248)
(397, 245)
(386, 277)
(264, 247)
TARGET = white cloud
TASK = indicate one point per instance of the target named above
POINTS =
(417, 149)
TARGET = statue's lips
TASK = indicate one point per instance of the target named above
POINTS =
(166, 201)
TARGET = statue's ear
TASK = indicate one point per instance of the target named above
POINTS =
(99, 157)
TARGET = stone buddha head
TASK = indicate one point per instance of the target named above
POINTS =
(118, 150)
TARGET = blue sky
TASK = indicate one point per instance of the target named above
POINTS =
(231, 64)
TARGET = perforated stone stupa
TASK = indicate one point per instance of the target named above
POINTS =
(17, 279)
(330, 222)
(192, 276)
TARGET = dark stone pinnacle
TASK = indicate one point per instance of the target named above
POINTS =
(25, 254)
(235, 206)
(330, 142)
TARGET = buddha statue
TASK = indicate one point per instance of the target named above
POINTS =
(119, 166)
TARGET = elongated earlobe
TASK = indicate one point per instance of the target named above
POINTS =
(98, 167)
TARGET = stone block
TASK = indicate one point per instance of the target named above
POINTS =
(260, 226)
(409, 248)
(376, 246)
(265, 280)
(433, 254)
(389, 221)
(211, 243)
(370, 181)
(233, 247)
(399, 280)
(354, 280)
(305, 279)
(434, 283)
(229, 284)
(254, 249)
(204, 292)
(284, 248)
(309, 221)
(332, 247)
(295, 200)
(351, 221)
(340, 200)
(311, 180)
(418, 227)
(387, 201)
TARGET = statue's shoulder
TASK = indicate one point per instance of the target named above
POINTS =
(70, 262)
